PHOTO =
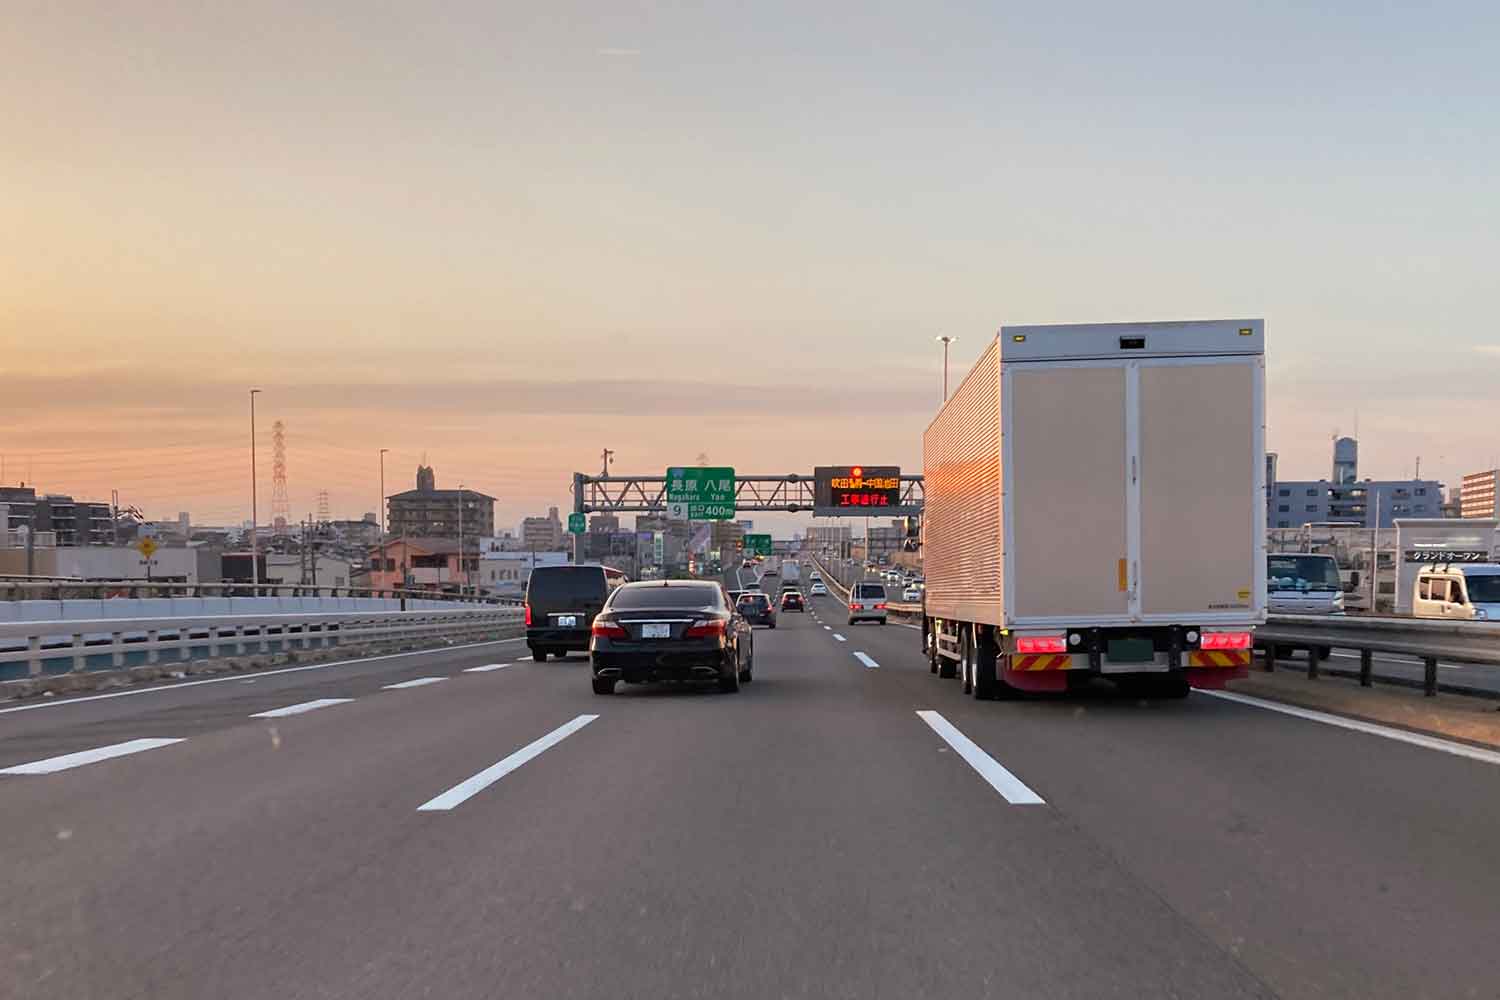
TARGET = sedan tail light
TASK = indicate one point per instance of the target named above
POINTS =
(706, 628)
(608, 630)
(856, 607)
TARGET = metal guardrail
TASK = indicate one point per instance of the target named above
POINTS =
(59, 588)
(1430, 641)
(40, 643)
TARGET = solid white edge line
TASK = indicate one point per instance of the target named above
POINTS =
(415, 682)
(865, 659)
(256, 675)
(486, 668)
(470, 787)
(1008, 785)
(1360, 726)
(299, 708)
(71, 760)
(839, 637)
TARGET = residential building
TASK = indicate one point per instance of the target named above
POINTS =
(1453, 506)
(103, 562)
(73, 522)
(883, 542)
(604, 521)
(1478, 496)
(726, 535)
(507, 572)
(308, 570)
(428, 563)
(543, 534)
(428, 512)
(619, 549)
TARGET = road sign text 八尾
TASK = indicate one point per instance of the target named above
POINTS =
(703, 493)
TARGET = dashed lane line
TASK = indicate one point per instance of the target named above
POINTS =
(1011, 788)
(82, 757)
(300, 708)
(486, 668)
(469, 787)
(414, 683)
(865, 659)
(839, 637)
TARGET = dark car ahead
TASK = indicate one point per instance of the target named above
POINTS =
(791, 600)
(757, 608)
(561, 602)
(676, 630)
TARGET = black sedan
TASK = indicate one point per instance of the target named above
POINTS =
(674, 630)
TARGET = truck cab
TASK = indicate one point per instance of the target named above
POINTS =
(1459, 592)
(1302, 583)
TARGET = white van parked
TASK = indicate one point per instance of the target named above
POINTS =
(1463, 592)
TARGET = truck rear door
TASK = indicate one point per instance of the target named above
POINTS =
(1197, 489)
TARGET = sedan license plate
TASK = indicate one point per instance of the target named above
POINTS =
(567, 621)
(652, 630)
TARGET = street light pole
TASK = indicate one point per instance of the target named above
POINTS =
(461, 564)
(380, 510)
(945, 340)
(254, 504)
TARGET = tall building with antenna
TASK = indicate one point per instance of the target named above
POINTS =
(324, 514)
(281, 508)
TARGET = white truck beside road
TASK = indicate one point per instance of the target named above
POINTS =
(1095, 505)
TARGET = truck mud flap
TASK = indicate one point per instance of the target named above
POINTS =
(1032, 680)
(1215, 678)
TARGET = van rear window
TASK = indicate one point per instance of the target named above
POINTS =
(869, 590)
(550, 584)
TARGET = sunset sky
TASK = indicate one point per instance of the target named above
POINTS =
(508, 236)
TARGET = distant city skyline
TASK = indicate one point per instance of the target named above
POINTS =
(713, 230)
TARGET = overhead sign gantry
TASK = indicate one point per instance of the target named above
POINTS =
(793, 492)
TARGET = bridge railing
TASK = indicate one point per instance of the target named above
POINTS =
(58, 588)
(55, 646)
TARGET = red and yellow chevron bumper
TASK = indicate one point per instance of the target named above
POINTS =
(1041, 661)
(1219, 658)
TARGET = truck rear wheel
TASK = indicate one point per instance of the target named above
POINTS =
(929, 647)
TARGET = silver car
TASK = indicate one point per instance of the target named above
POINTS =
(867, 603)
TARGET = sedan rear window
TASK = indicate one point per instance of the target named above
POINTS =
(632, 597)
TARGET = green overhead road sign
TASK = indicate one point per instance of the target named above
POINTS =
(575, 524)
(702, 493)
(758, 545)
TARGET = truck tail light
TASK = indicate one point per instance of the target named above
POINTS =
(528, 616)
(706, 628)
(1225, 640)
(608, 630)
(1042, 644)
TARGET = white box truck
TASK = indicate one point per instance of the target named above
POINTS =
(1095, 505)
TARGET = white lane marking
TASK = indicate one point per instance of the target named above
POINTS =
(869, 663)
(298, 709)
(82, 757)
(827, 628)
(470, 787)
(258, 674)
(486, 668)
(1399, 735)
(839, 637)
(414, 683)
(1001, 780)
(905, 625)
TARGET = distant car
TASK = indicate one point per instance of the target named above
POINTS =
(867, 603)
(817, 589)
(912, 594)
(674, 630)
(561, 602)
(749, 564)
(791, 600)
(757, 609)
(734, 596)
(770, 572)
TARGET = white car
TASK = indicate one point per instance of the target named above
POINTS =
(912, 594)
(817, 589)
(867, 603)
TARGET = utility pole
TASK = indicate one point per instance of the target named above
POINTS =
(114, 516)
(254, 504)
(380, 510)
(945, 340)
(461, 564)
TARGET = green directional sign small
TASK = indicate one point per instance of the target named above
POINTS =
(576, 524)
(758, 545)
(700, 493)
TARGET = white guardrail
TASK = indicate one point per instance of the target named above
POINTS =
(34, 642)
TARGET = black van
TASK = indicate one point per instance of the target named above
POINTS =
(561, 602)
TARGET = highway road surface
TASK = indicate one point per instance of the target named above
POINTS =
(468, 823)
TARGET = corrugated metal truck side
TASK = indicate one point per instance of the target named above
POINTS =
(1095, 505)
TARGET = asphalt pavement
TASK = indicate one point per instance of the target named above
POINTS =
(468, 823)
